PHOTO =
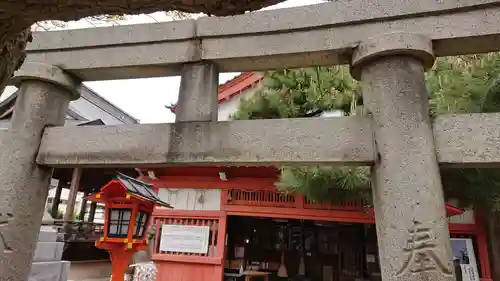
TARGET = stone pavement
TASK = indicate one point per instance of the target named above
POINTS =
(90, 270)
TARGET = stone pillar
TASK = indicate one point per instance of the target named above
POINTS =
(197, 102)
(73, 191)
(83, 209)
(198, 93)
(57, 198)
(93, 208)
(412, 229)
(43, 99)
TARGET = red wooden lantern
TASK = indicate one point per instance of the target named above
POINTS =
(128, 207)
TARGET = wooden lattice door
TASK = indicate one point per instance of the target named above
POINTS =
(351, 252)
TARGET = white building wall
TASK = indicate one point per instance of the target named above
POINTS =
(191, 199)
(99, 214)
(466, 217)
(229, 107)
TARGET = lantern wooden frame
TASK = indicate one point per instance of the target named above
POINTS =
(128, 194)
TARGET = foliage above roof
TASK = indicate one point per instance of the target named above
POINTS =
(463, 84)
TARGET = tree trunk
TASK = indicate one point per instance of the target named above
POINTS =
(493, 222)
(16, 17)
(66, 10)
(12, 54)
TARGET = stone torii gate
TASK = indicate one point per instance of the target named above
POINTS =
(389, 46)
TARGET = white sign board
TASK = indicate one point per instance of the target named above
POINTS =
(184, 238)
(464, 259)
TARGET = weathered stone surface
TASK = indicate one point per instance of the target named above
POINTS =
(464, 140)
(412, 232)
(47, 264)
(3, 133)
(198, 93)
(47, 218)
(47, 73)
(24, 184)
(15, 26)
(328, 14)
(346, 140)
(468, 140)
(48, 251)
(47, 234)
(296, 37)
(392, 44)
(49, 271)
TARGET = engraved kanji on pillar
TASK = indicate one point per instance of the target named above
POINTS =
(5, 218)
(421, 252)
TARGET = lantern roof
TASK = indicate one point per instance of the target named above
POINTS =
(140, 189)
(123, 186)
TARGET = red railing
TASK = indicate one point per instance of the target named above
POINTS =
(344, 206)
(266, 198)
(272, 198)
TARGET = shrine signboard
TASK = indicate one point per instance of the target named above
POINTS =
(184, 238)
(464, 259)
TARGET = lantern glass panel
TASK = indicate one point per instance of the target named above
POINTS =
(119, 220)
(141, 220)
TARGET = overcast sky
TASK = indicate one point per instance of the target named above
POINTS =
(145, 99)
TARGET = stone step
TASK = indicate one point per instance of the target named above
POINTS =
(48, 251)
(49, 271)
(47, 234)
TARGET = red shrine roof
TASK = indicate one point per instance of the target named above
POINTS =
(237, 85)
(453, 211)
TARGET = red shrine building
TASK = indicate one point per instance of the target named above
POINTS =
(232, 224)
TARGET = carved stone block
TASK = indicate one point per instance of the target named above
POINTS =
(49, 271)
(47, 234)
(47, 265)
(48, 251)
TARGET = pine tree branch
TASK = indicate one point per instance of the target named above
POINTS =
(456, 85)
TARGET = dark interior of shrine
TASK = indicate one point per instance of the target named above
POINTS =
(300, 250)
